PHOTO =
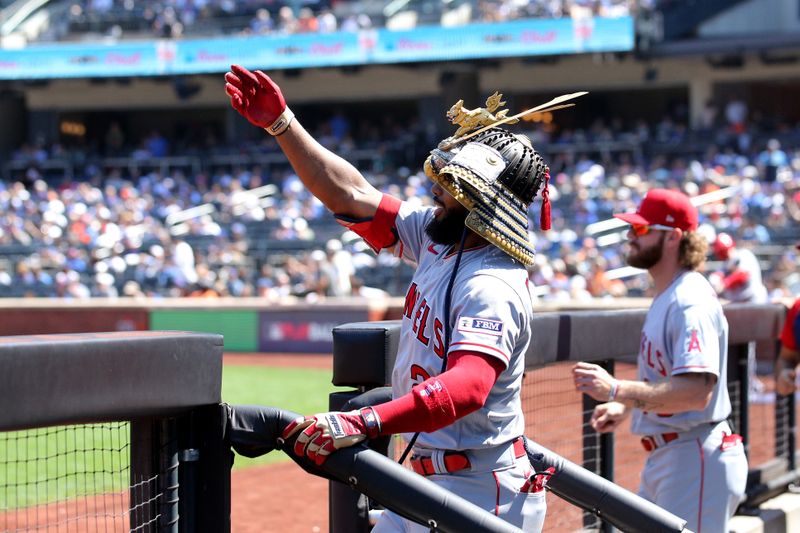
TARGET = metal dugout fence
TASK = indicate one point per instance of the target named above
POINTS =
(113, 431)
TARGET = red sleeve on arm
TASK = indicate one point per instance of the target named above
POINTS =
(379, 231)
(788, 335)
(736, 279)
(441, 400)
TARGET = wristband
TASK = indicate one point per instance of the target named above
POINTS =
(281, 123)
(372, 422)
(612, 394)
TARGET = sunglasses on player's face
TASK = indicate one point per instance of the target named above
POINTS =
(643, 229)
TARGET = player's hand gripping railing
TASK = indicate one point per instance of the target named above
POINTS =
(254, 431)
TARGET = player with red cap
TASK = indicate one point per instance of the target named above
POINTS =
(740, 279)
(663, 207)
(789, 354)
(696, 466)
(723, 245)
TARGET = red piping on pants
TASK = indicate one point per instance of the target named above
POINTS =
(702, 480)
(497, 497)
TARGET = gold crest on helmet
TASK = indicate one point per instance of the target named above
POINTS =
(483, 118)
(470, 119)
(495, 176)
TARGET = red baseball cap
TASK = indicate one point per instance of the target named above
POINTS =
(723, 245)
(665, 207)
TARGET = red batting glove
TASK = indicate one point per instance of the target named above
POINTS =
(325, 433)
(255, 96)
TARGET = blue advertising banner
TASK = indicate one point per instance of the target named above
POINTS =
(82, 61)
(519, 38)
(304, 330)
(296, 51)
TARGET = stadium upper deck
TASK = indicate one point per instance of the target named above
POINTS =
(651, 117)
(92, 19)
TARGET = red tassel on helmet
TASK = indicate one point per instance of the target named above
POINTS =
(544, 220)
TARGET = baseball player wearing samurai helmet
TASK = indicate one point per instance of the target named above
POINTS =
(466, 323)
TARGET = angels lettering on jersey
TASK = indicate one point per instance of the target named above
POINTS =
(428, 329)
(653, 359)
(656, 366)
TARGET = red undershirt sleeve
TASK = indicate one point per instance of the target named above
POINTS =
(441, 400)
(378, 231)
(737, 279)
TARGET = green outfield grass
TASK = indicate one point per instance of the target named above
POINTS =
(302, 390)
(47, 464)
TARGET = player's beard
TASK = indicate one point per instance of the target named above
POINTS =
(646, 257)
(449, 227)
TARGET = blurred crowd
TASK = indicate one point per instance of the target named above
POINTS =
(177, 18)
(253, 230)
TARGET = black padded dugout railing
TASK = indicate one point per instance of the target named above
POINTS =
(255, 430)
(167, 384)
(363, 355)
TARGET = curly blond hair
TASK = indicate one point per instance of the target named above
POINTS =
(693, 250)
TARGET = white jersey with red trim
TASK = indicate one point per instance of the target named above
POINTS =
(685, 331)
(491, 311)
(753, 289)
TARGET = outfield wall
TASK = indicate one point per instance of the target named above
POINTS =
(247, 324)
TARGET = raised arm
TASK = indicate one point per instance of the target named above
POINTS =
(337, 183)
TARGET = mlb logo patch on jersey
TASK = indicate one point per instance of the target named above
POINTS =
(468, 324)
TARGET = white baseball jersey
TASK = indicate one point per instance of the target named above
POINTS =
(490, 312)
(753, 290)
(685, 331)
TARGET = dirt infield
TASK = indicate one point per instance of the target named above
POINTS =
(274, 498)
(278, 498)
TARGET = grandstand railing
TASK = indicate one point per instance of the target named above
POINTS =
(69, 168)
(557, 416)
(365, 158)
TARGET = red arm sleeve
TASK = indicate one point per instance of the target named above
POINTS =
(736, 279)
(441, 400)
(379, 231)
(789, 332)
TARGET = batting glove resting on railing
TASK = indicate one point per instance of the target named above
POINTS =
(324, 433)
(258, 99)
